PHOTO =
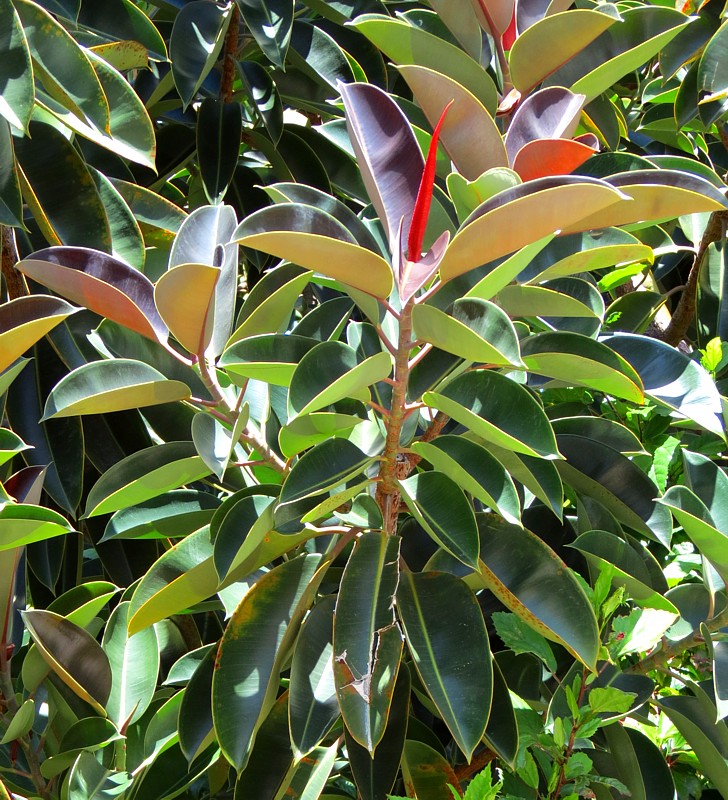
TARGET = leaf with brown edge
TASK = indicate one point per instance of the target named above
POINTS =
(101, 283)
(536, 586)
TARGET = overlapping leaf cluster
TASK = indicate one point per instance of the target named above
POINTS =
(344, 447)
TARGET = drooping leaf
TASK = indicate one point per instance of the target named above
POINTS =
(11, 201)
(475, 470)
(23, 524)
(537, 587)
(25, 320)
(440, 506)
(16, 75)
(134, 664)
(73, 654)
(598, 471)
(457, 673)
(367, 643)
(270, 22)
(313, 706)
(219, 126)
(272, 358)
(580, 360)
(672, 379)
(329, 372)
(111, 385)
(197, 37)
(254, 645)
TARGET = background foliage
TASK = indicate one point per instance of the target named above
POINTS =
(327, 468)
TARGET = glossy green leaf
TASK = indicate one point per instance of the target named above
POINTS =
(130, 132)
(329, 372)
(113, 385)
(708, 739)
(495, 228)
(313, 707)
(195, 43)
(598, 471)
(241, 532)
(607, 431)
(603, 549)
(16, 72)
(468, 195)
(310, 429)
(460, 18)
(195, 711)
(537, 587)
(475, 470)
(472, 155)
(214, 442)
(127, 243)
(579, 360)
(134, 666)
(11, 201)
(272, 358)
(94, 280)
(90, 780)
(456, 671)
(475, 330)
(375, 775)
(672, 379)
(323, 468)
(9, 375)
(49, 164)
(552, 41)
(440, 506)
(314, 240)
(710, 71)
(145, 474)
(367, 640)
(406, 44)
(26, 320)
(23, 524)
(10, 445)
(182, 576)
(428, 773)
(149, 207)
(88, 734)
(62, 66)
(692, 514)
(219, 126)
(73, 654)
(270, 23)
(269, 306)
(499, 410)
(254, 645)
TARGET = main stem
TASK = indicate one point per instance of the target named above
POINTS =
(387, 488)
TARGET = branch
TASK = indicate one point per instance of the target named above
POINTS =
(669, 651)
(685, 311)
(228, 58)
(14, 280)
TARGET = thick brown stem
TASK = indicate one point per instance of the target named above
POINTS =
(391, 469)
(685, 311)
(229, 56)
(14, 280)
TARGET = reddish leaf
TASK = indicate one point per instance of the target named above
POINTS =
(424, 194)
(550, 157)
(510, 35)
(102, 284)
(551, 113)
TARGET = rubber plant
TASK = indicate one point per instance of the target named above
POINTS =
(362, 481)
